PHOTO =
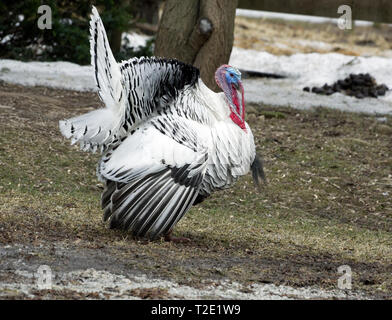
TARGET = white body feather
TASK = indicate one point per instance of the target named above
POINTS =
(166, 138)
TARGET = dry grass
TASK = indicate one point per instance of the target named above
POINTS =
(289, 37)
(327, 202)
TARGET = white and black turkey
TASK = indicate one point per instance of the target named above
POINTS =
(167, 140)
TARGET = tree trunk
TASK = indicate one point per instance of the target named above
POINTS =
(199, 32)
(115, 34)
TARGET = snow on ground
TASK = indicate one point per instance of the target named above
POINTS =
(116, 286)
(294, 17)
(57, 74)
(311, 69)
(19, 276)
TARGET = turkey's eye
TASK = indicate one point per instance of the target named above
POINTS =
(231, 75)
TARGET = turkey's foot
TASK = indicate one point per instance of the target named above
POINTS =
(171, 238)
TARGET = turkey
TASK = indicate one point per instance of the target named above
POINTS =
(167, 140)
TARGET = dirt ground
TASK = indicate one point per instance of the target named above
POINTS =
(327, 203)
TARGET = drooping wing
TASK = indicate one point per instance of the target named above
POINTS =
(152, 181)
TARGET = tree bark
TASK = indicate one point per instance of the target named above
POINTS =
(199, 32)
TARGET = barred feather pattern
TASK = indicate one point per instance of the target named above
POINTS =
(167, 140)
(99, 128)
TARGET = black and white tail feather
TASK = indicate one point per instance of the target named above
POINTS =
(98, 128)
(151, 179)
(155, 164)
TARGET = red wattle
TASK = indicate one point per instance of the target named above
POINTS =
(239, 122)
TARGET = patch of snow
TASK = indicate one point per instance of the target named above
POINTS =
(382, 119)
(134, 40)
(114, 286)
(59, 74)
(312, 69)
(293, 17)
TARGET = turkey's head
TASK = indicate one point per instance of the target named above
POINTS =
(228, 79)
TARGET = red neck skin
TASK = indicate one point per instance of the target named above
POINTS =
(239, 121)
(221, 81)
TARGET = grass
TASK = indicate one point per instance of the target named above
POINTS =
(327, 201)
(282, 37)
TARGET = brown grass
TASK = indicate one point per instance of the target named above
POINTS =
(289, 37)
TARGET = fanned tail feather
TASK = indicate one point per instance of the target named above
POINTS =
(99, 128)
(96, 129)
